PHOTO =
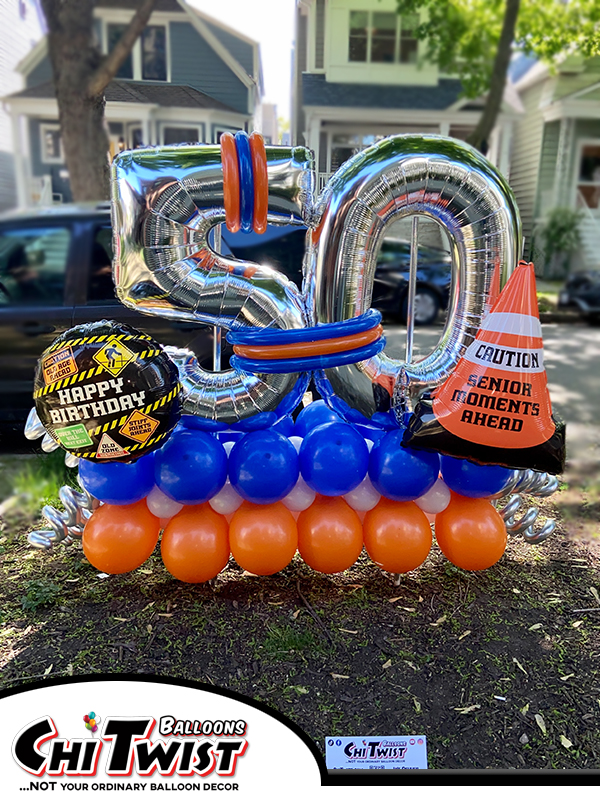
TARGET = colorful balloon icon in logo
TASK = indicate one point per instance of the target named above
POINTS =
(91, 720)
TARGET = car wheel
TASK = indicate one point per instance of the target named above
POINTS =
(427, 306)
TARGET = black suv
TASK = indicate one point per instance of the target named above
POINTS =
(55, 272)
(581, 292)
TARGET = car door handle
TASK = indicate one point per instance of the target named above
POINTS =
(36, 328)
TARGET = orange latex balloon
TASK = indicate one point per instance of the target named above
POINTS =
(470, 533)
(397, 535)
(330, 536)
(263, 539)
(195, 544)
(118, 539)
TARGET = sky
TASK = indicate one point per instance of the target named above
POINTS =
(271, 23)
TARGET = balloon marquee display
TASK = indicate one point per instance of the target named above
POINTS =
(236, 462)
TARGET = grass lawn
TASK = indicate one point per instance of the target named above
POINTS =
(500, 669)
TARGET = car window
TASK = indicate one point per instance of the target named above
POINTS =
(101, 287)
(33, 262)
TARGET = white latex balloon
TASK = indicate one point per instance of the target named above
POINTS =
(297, 442)
(301, 496)
(436, 499)
(227, 501)
(364, 497)
(162, 506)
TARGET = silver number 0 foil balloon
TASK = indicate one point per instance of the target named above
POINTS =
(436, 177)
(166, 200)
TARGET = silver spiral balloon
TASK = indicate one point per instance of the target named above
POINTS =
(440, 178)
(537, 484)
(67, 525)
(35, 430)
(165, 201)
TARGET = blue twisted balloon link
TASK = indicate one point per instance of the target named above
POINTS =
(322, 332)
(330, 330)
(242, 141)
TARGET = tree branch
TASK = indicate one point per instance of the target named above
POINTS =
(479, 137)
(110, 66)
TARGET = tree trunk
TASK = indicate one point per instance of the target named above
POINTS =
(81, 74)
(75, 59)
(480, 136)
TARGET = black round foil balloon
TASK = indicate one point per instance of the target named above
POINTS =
(106, 392)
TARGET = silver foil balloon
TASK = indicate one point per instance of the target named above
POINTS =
(440, 178)
(67, 525)
(165, 201)
(537, 484)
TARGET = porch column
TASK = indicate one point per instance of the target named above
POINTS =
(146, 131)
(562, 176)
(20, 135)
(505, 146)
(313, 130)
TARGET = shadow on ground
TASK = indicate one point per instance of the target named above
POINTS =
(499, 669)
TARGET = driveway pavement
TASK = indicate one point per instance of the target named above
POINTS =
(572, 356)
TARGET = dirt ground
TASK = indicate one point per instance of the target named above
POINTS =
(500, 669)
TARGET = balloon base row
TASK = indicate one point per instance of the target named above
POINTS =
(197, 542)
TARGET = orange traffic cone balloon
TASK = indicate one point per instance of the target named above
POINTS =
(497, 397)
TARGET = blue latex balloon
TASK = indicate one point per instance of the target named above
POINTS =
(257, 422)
(316, 413)
(400, 473)
(284, 426)
(368, 432)
(191, 467)
(473, 480)
(263, 467)
(201, 424)
(118, 484)
(333, 458)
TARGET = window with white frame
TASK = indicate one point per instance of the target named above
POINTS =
(148, 60)
(217, 132)
(379, 37)
(51, 144)
(179, 134)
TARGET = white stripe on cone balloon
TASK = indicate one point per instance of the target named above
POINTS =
(436, 499)
(227, 501)
(364, 497)
(162, 506)
(301, 496)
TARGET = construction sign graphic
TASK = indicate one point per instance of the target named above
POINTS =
(59, 365)
(108, 448)
(497, 398)
(139, 427)
(114, 357)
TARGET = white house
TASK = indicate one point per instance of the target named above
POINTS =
(556, 151)
(188, 78)
(21, 27)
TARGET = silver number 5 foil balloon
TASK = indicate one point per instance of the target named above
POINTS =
(166, 200)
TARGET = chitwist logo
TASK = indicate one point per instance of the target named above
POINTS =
(124, 747)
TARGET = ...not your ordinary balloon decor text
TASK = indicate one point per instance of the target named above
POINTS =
(236, 463)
